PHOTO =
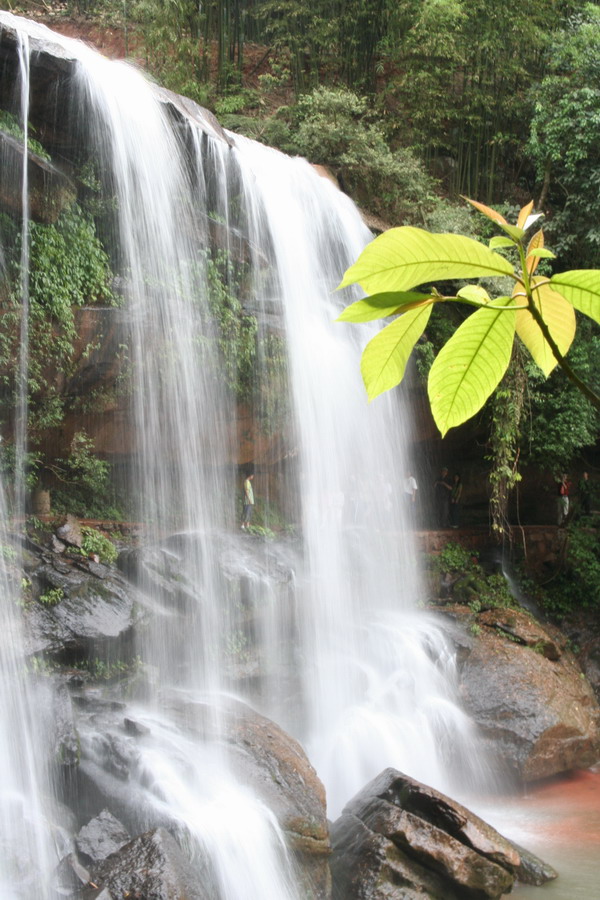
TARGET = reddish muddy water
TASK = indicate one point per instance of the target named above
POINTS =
(560, 821)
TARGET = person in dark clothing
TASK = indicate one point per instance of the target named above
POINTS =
(442, 489)
(455, 501)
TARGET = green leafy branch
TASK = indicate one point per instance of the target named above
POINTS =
(469, 367)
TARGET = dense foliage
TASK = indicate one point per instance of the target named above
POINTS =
(410, 102)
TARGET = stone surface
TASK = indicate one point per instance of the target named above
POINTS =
(399, 838)
(538, 714)
(436, 808)
(50, 191)
(368, 866)
(532, 869)
(69, 532)
(99, 607)
(101, 837)
(151, 867)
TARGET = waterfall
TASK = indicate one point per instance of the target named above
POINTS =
(377, 678)
(371, 678)
(28, 837)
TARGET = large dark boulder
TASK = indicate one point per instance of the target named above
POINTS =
(528, 696)
(398, 838)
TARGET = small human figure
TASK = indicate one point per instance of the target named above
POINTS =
(585, 494)
(248, 501)
(455, 500)
(409, 492)
(564, 488)
(442, 488)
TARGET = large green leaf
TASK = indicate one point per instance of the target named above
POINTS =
(379, 306)
(385, 356)
(581, 287)
(402, 258)
(470, 365)
(559, 316)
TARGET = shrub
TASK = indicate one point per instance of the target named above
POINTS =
(96, 542)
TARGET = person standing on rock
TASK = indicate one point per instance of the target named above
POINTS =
(248, 501)
(563, 499)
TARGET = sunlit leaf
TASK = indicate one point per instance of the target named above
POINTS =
(474, 293)
(581, 287)
(524, 214)
(498, 242)
(492, 214)
(379, 306)
(536, 242)
(470, 365)
(402, 258)
(542, 253)
(514, 232)
(385, 356)
(558, 315)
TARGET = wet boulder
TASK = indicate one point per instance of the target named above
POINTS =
(528, 696)
(276, 767)
(399, 838)
(151, 866)
(93, 607)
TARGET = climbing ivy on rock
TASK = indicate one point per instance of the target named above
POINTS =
(68, 267)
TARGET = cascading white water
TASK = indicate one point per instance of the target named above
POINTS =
(27, 844)
(378, 685)
(373, 678)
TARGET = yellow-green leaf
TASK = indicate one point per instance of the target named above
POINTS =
(470, 365)
(524, 214)
(513, 231)
(499, 242)
(379, 306)
(402, 258)
(474, 293)
(558, 315)
(542, 253)
(492, 214)
(385, 356)
(581, 287)
(536, 242)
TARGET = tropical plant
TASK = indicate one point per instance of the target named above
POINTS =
(539, 310)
